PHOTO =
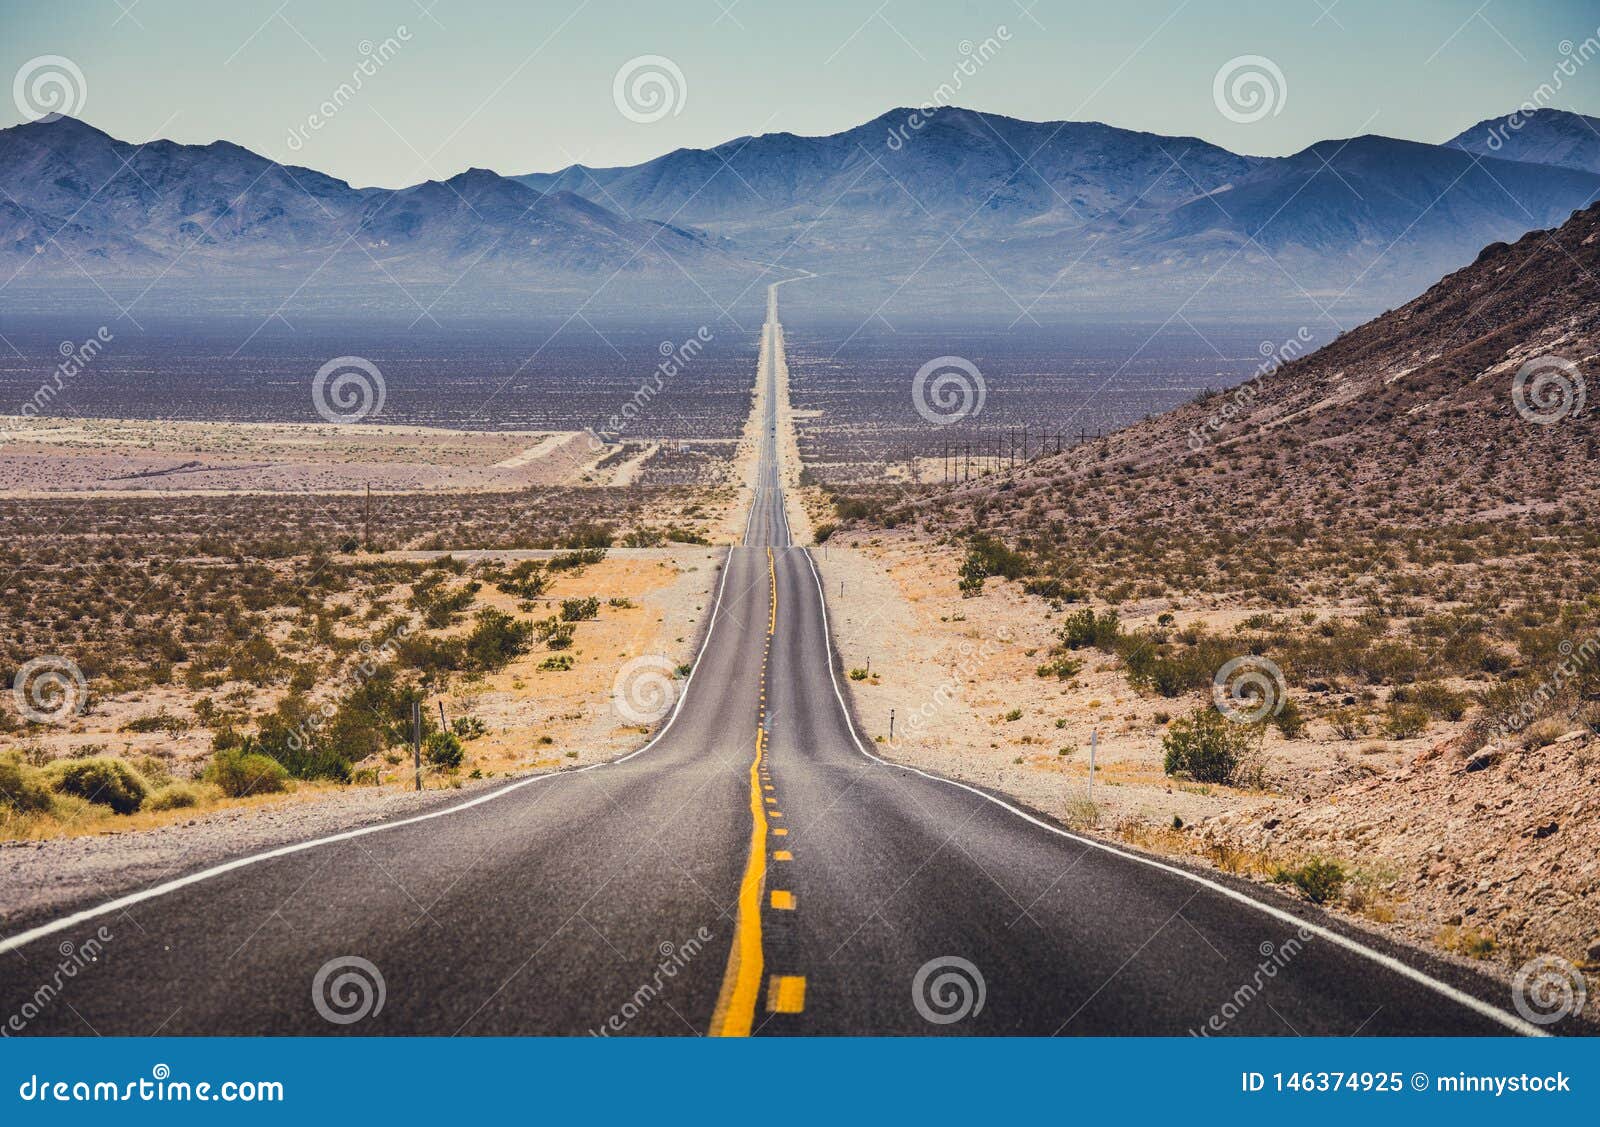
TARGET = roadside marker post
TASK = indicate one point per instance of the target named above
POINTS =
(891, 725)
(1094, 740)
(416, 740)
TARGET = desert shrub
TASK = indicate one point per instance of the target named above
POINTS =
(22, 789)
(1320, 880)
(1348, 724)
(1062, 668)
(1404, 721)
(579, 610)
(174, 796)
(588, 536)
(1207, 747)
(495, 639)
(443, 749)
(255, 661)
(987, 557)
(576, 561)
(161, 721)
(104, 782)
(1289, 720)
(556, 663)
(1085, 628)
(1052, 587)
(821, 533)
(553, 632)
(468, 727)
(1439, 701)
(524, 581)
(240, 771)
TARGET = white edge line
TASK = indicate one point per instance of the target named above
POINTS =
(23, 938)
(1388, 962)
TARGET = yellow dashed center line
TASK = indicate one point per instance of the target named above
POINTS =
(786, 994)
(741, 980)
(783, 900)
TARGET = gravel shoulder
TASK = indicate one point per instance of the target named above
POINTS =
(1486, 863)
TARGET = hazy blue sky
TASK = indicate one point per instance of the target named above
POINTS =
(528, 86)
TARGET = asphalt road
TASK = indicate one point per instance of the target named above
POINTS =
(753, 870)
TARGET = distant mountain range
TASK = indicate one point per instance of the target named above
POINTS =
(956, 210)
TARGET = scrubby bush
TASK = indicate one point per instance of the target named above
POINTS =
(495, 639)
(553, 632)
(174, 796)
(579, 610)
(468, 727)
(1085, 628)
(104, 782)
(241, 771)
(1320, 880)
(1289, 720)
(576, 561)
(1062, 668)
(524, 581)
(1207, 747)
(22, 789)
(1404, 721)
(443, 749)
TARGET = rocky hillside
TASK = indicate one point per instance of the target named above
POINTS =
(1476, 401)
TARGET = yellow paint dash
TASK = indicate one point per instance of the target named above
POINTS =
(783, 899)
(786, 993)
(783, 855)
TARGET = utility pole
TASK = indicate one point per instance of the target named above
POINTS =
(416, 740)
(443, 727)
(366, 520)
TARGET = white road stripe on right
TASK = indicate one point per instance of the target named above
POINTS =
(1388, 962)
